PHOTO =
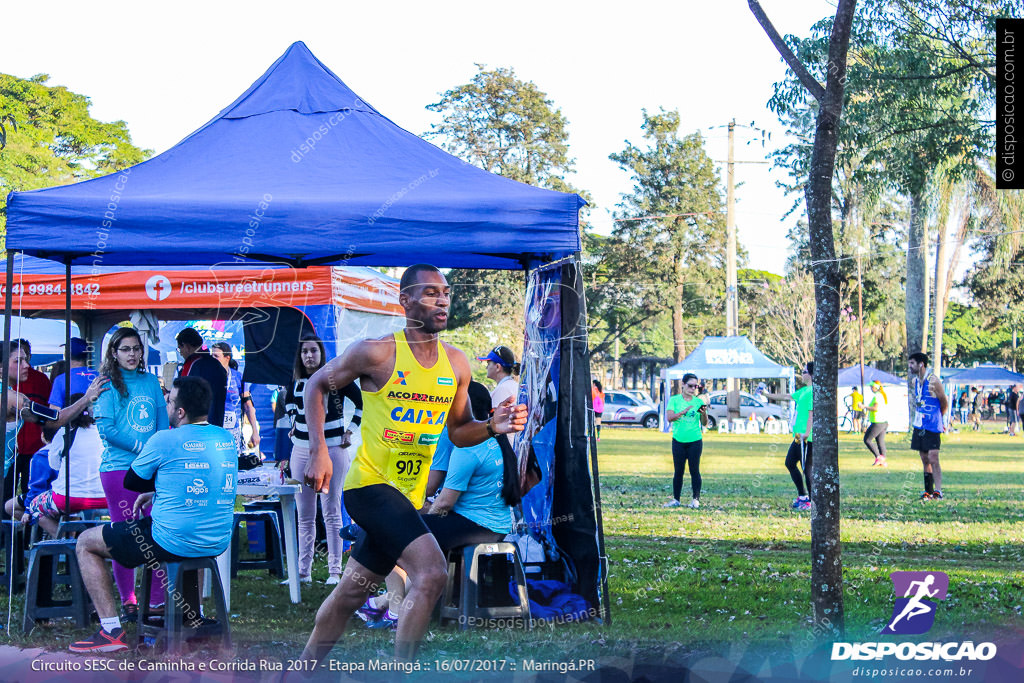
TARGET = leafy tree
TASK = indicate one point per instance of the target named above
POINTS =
(506, 126)
(970, 336)
(675, 218)
(925, 83)
(54, 140)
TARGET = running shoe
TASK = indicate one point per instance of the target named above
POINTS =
(369, 613)
(333, 580)
(695, 503)
(926, 496)
(672, 504)
(799, 501)
(102, 641)
(882, 462)
(937, 495)
(129, 613)
(804, 505)
(302, 579)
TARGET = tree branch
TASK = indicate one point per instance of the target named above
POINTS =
(816, 89)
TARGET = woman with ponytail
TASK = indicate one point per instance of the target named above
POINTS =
(878, 409)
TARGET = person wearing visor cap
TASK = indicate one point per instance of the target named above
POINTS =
(501, 366)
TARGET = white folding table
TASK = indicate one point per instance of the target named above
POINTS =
(286, 493)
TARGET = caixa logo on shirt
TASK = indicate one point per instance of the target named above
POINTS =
(197, 487)
(914, 614)
(194, 446)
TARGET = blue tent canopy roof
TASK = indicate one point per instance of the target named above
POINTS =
(723, 357)
(987, 375)
(850, 377)
(300, 170)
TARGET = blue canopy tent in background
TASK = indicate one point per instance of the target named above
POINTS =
(850, 377)
(301, 171)
(988, 375)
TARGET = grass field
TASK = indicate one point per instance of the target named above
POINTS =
(735, 571)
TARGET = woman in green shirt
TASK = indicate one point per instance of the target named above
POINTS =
(878, 411)
(687, 412)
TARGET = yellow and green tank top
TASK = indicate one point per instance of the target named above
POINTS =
(402, 422)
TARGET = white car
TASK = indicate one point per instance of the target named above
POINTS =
(717, 410)
(622, 408)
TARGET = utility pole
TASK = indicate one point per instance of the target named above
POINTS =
(732, 308)
(731, 302)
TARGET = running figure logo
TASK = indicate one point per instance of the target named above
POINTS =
(914, 613)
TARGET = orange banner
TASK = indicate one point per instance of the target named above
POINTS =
(204, 289)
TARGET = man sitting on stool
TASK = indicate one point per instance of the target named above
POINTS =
(193, 471)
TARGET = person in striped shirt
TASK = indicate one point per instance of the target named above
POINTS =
(310, 357)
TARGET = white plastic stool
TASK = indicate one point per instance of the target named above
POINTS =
(739, 426)
(723, 426)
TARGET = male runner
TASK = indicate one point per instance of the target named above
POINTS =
(931, 406)
(412, 384)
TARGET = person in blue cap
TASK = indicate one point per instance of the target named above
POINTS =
(501, 369)
(81, 374)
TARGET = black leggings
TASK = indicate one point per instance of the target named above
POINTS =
(876, 435)
(792, 460)
(681, 454)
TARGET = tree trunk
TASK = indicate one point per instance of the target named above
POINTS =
(916, 306)
(677, 311)
(826, 550)
(940, 290)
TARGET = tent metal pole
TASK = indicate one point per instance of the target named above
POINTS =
(6, 355)
(575, 267)
(67, 385)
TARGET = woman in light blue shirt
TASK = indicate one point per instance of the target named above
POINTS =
(127, 417)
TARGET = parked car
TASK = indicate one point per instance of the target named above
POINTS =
(621, 408)
(638, 394)
(717, 410)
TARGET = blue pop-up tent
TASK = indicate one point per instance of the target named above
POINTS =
(988, 375)
(301, 171)
(727, 357)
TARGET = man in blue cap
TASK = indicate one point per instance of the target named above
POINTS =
(81, 375)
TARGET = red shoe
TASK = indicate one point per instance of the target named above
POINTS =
(102, 642)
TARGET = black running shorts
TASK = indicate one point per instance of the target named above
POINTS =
(923, 440)
(452, 530)
(389, 524)
(131, 543)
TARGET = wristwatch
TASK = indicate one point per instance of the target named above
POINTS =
(490, 428)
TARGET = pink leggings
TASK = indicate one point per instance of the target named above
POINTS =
(119, 503)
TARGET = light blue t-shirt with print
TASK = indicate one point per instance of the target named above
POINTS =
(196, 470)
(443, 452)
(478, 472)
(127, 422)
